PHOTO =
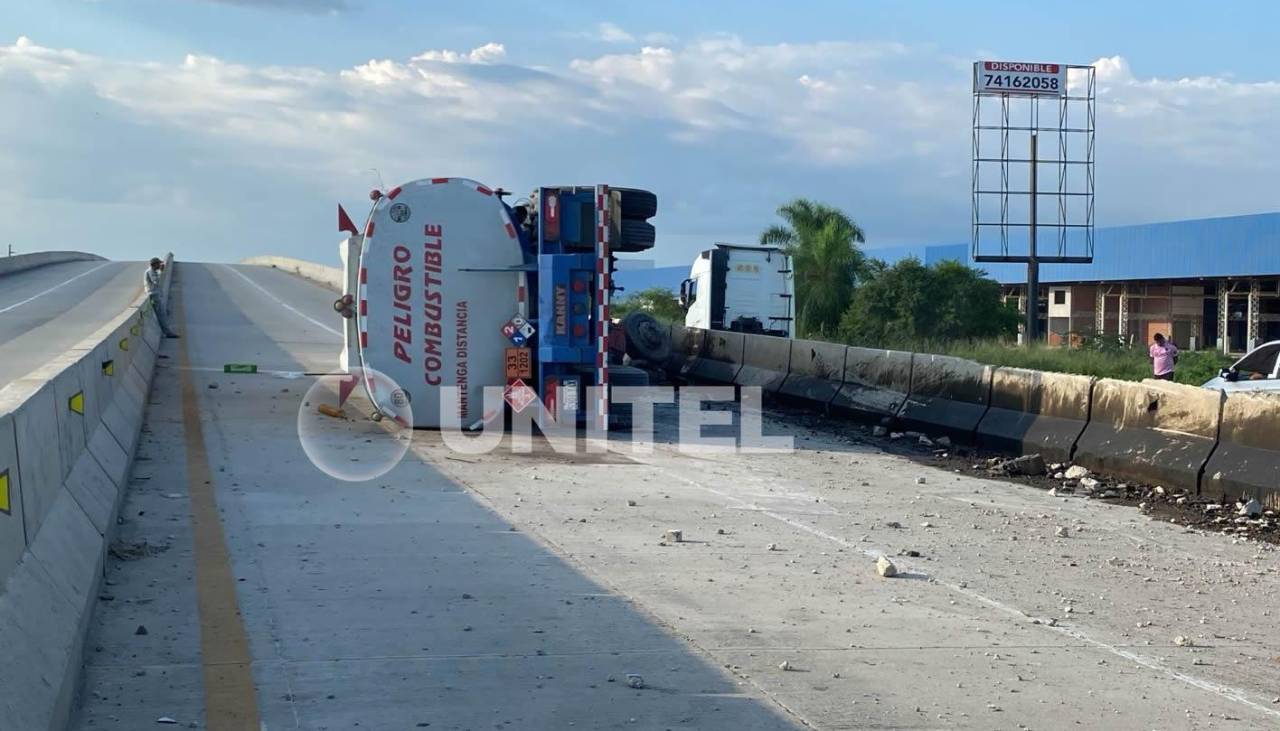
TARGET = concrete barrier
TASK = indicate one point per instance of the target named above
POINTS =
(1033, 412)
(765, 360)
(721, 357)
(1154, 431)
(815, 371)
(23, 262)
(686, 346)
(13, 533)
(875, 383)
(67, 436)
(948, 396)
(1247, 459)
(331, 277)
(40, 469)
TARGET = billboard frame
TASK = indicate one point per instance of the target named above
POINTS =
(1072, 228)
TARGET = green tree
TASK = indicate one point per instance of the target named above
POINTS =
(657, 301)
(909, 302)
(822, 242)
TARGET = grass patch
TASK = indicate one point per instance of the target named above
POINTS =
(1127, 364)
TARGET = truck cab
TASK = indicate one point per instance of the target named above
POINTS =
(451, 290)
(740, 288)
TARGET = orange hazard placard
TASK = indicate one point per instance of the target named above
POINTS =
(519, 363)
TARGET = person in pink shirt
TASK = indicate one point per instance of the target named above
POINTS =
(1164, 355)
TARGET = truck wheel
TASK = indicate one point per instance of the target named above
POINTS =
(620, 414)
(636, 236)
(647, 339)
(638, 204)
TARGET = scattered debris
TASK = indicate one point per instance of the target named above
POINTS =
(1251, 509)
(784, 665)
(1182, 641)
(631, 503)
(771, 547)
(1062, 532)
(1029, 465)
(885, 567)
(332, 411)
(892, 524)
(635, 681)
(921, 480)
(134, 550)
(1075, 472)
(673, 535)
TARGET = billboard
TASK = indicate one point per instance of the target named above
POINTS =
(1020, 77)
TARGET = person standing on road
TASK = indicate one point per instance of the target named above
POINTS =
(151, 280)
(1164, 355)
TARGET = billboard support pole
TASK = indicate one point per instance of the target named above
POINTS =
(1033, 265)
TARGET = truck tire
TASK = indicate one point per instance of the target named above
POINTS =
(636, 236)
(620, 414)
(647, 339)
(638, 204)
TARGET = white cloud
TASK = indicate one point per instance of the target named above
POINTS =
(610, 33)
(486, 54)
(188, 150)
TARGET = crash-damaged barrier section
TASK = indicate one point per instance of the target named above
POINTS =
(949, 396)
(815, 371)
(765, 360)
(1246, 462)
(876, 383)
(1156, 432)
(68, 432)
(686, 347)
(1032, 412)
(721, 357)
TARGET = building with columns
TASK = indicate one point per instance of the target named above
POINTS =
(1207, 283)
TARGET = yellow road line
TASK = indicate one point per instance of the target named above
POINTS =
(230, 698)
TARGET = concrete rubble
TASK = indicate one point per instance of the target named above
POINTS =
(886, 568)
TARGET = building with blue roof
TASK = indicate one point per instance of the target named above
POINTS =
(1211, 282)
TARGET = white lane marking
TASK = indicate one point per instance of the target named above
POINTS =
(53, 288)
(280, 302)
(1225, 691)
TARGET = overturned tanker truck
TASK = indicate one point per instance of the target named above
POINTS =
(449, 286)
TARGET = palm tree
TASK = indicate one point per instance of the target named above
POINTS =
(823, 244)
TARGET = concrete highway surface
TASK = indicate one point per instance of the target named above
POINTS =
(46, 310)
(249, 589)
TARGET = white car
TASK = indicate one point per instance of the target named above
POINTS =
(1257, 371)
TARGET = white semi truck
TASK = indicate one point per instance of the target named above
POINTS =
(741, 288)
(450, 287)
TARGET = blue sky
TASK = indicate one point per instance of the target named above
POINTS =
(222, 129)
